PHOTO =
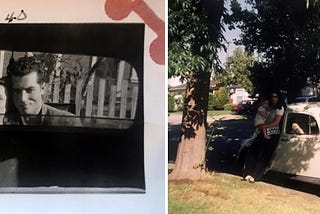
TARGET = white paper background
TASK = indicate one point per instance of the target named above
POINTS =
(84, 11)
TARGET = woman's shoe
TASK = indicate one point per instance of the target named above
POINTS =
(250, 179)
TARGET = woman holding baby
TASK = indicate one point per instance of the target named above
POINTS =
(261, 150)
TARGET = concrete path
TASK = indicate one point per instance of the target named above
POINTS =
(176, 118)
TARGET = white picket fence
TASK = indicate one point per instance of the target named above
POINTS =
(101, 96)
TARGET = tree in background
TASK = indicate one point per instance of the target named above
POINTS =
(287, 35)
(237, 70)
(195, 34)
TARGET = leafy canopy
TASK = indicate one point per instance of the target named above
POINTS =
(287, 34)
(237, 69)
(194, 36)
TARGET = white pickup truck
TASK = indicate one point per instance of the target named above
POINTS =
(297, 154)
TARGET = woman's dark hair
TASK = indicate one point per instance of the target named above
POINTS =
(264, 98)
(280, 102)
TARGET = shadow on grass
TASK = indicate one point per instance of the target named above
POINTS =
(289, 181)
(225, 143)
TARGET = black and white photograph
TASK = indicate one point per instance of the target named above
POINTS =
(71, 102)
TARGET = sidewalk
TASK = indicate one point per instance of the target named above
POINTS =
(176, 118)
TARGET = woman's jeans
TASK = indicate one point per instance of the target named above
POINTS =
(259, 156)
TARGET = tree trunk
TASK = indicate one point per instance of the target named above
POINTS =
(190, 161)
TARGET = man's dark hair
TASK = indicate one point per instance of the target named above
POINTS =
(26, 65)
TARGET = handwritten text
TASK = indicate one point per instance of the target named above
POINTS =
(10, 17)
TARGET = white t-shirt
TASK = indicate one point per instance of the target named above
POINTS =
(274, 113)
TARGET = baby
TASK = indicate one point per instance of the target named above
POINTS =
(261, 117)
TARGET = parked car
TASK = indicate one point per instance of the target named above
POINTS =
(305, 99)
(297, 154)
(314, 99)
(243, 107)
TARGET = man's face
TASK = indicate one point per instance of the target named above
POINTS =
(27, 93)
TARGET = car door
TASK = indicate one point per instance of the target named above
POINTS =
(298, 150)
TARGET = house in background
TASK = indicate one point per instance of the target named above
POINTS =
(178, 95)
(236, 92)
(180, 89)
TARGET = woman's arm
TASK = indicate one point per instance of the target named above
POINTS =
(274, 123)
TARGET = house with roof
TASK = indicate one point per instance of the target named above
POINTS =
(236, 92)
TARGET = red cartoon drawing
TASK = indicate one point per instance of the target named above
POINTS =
(120, 9)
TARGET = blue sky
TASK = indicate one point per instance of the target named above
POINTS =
(229, 36)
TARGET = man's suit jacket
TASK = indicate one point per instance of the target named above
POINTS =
(48, 116)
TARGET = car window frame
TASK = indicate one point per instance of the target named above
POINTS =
(308, 128)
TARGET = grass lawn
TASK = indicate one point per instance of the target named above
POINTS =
(224, 194)
(216, 113)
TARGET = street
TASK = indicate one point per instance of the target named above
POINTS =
(229, 131)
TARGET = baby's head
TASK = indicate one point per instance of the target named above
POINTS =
(265, 103)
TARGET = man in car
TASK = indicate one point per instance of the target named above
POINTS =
(28, 82)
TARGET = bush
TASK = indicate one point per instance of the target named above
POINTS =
(211, 102)
(228, 107)
(171, 103)
(218, 100)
